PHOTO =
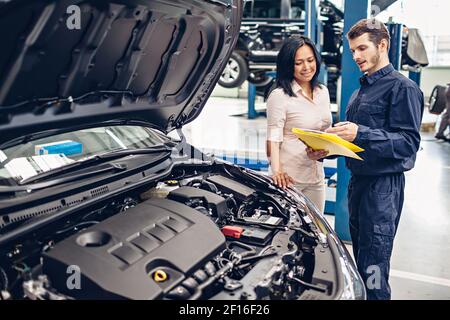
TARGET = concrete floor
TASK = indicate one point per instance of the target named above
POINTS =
(420, 265)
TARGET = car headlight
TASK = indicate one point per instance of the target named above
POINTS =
(353, 284)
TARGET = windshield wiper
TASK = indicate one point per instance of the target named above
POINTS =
(82, 175)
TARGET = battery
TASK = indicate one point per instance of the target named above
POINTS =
(266, 219)
(255, 236)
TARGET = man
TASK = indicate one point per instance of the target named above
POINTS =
(384, 117)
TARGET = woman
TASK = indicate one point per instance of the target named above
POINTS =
(299, 101)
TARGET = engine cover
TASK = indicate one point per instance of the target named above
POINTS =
(118, 257)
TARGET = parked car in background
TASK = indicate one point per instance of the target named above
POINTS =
(265, 26)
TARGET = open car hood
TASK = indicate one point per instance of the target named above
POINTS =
(66, 63)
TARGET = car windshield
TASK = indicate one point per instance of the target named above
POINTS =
(29, 159)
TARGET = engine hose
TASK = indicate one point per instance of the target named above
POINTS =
(249, 201)
(304, 232)
(250, 250)
(309, 285)
(210, 186)
(266, 248)
(77, 225)
(258, 257)
(233, 201)
(259, 224)
(280, 209)
(220, 273)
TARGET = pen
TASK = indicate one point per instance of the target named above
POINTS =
(341, 124)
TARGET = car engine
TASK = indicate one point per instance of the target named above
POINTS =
(200, 234)
(123, 256)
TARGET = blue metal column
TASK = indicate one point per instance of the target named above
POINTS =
(353, 12)
(319, 30)
(395, 51)
(313, 30)
(251, 98)
(323, 75)
(252, 114)
(310, 19)
(415, 76)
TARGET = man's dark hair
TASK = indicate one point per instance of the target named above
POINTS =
(286, 63)
(376, 29)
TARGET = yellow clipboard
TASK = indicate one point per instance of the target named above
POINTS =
(334, 144)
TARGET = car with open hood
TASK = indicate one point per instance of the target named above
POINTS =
(98, 202)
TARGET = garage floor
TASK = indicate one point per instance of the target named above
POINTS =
(420, 266)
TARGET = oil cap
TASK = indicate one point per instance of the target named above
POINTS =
(160, 276)
(172, 183)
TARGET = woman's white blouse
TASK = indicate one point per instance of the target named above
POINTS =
(283, 114)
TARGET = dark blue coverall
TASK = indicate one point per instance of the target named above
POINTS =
(388, 110)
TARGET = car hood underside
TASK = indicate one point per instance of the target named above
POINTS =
(64, 63)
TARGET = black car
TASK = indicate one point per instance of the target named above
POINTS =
(97, 202)
(265, 26)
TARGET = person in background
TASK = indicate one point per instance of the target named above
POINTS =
(445, 118)
(299, 101)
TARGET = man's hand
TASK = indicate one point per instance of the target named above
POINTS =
(282, 179)
(316, 154)
(346, 130)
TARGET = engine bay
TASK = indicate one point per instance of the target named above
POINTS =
(200, 233)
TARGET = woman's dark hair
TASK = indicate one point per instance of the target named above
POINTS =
(286, 63)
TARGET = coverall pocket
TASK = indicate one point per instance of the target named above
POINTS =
(382, 242)
(373, 116)
(381, 187)
(383, 216)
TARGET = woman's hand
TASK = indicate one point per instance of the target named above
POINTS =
(316, 154)
(282, 179)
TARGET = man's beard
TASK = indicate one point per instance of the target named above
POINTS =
(374, 61)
